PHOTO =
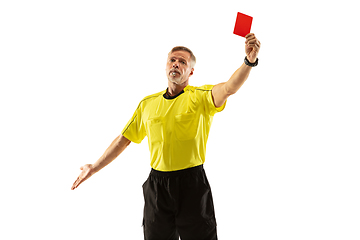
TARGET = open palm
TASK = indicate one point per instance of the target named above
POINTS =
(87, 171)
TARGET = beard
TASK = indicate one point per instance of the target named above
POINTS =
(177, 79)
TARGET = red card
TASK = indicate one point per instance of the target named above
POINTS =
(242, 24)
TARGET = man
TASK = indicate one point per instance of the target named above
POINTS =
(178, 199)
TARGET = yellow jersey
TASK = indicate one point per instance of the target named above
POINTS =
(177, 127)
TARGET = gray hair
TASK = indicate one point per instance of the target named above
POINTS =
(181, 48)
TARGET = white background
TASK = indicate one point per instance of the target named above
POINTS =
(282, 158)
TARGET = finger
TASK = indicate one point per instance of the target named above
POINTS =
(81, 179)
(255, 44)
(78, 181)
(252, 45)
(250, 39)
(249, 35)
(75, 184)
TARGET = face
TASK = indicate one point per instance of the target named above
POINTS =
(178, 67)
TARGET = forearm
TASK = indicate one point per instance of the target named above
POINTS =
(112, 152)
(237, 79)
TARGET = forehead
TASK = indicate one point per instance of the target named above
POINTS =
(180, 54)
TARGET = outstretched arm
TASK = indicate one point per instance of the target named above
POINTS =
(222, 91)
(114, 150)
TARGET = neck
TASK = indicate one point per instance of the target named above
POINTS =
(174, 89)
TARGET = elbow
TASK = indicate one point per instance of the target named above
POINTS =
(124, 140)
(228, 90)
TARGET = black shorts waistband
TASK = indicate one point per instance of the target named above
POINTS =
(176, 173)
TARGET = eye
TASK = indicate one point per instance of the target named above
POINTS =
(172, 60)
(183, 62)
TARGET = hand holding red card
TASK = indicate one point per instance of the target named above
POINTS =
(242, 24)
(242, 28)
(252, 47)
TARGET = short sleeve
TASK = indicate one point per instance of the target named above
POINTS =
(209, 103)
(135, 129)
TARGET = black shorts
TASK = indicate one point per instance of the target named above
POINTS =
(177, 204)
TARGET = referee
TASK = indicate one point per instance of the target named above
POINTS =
(177, 194)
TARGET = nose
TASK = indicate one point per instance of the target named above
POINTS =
(175, 64)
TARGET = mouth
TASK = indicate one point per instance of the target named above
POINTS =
(173, 72)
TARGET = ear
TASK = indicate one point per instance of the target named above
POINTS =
(192, 72)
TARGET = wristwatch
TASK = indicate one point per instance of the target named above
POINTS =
(251, 64)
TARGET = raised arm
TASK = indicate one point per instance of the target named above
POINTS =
(222, 91)
(114, 150)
